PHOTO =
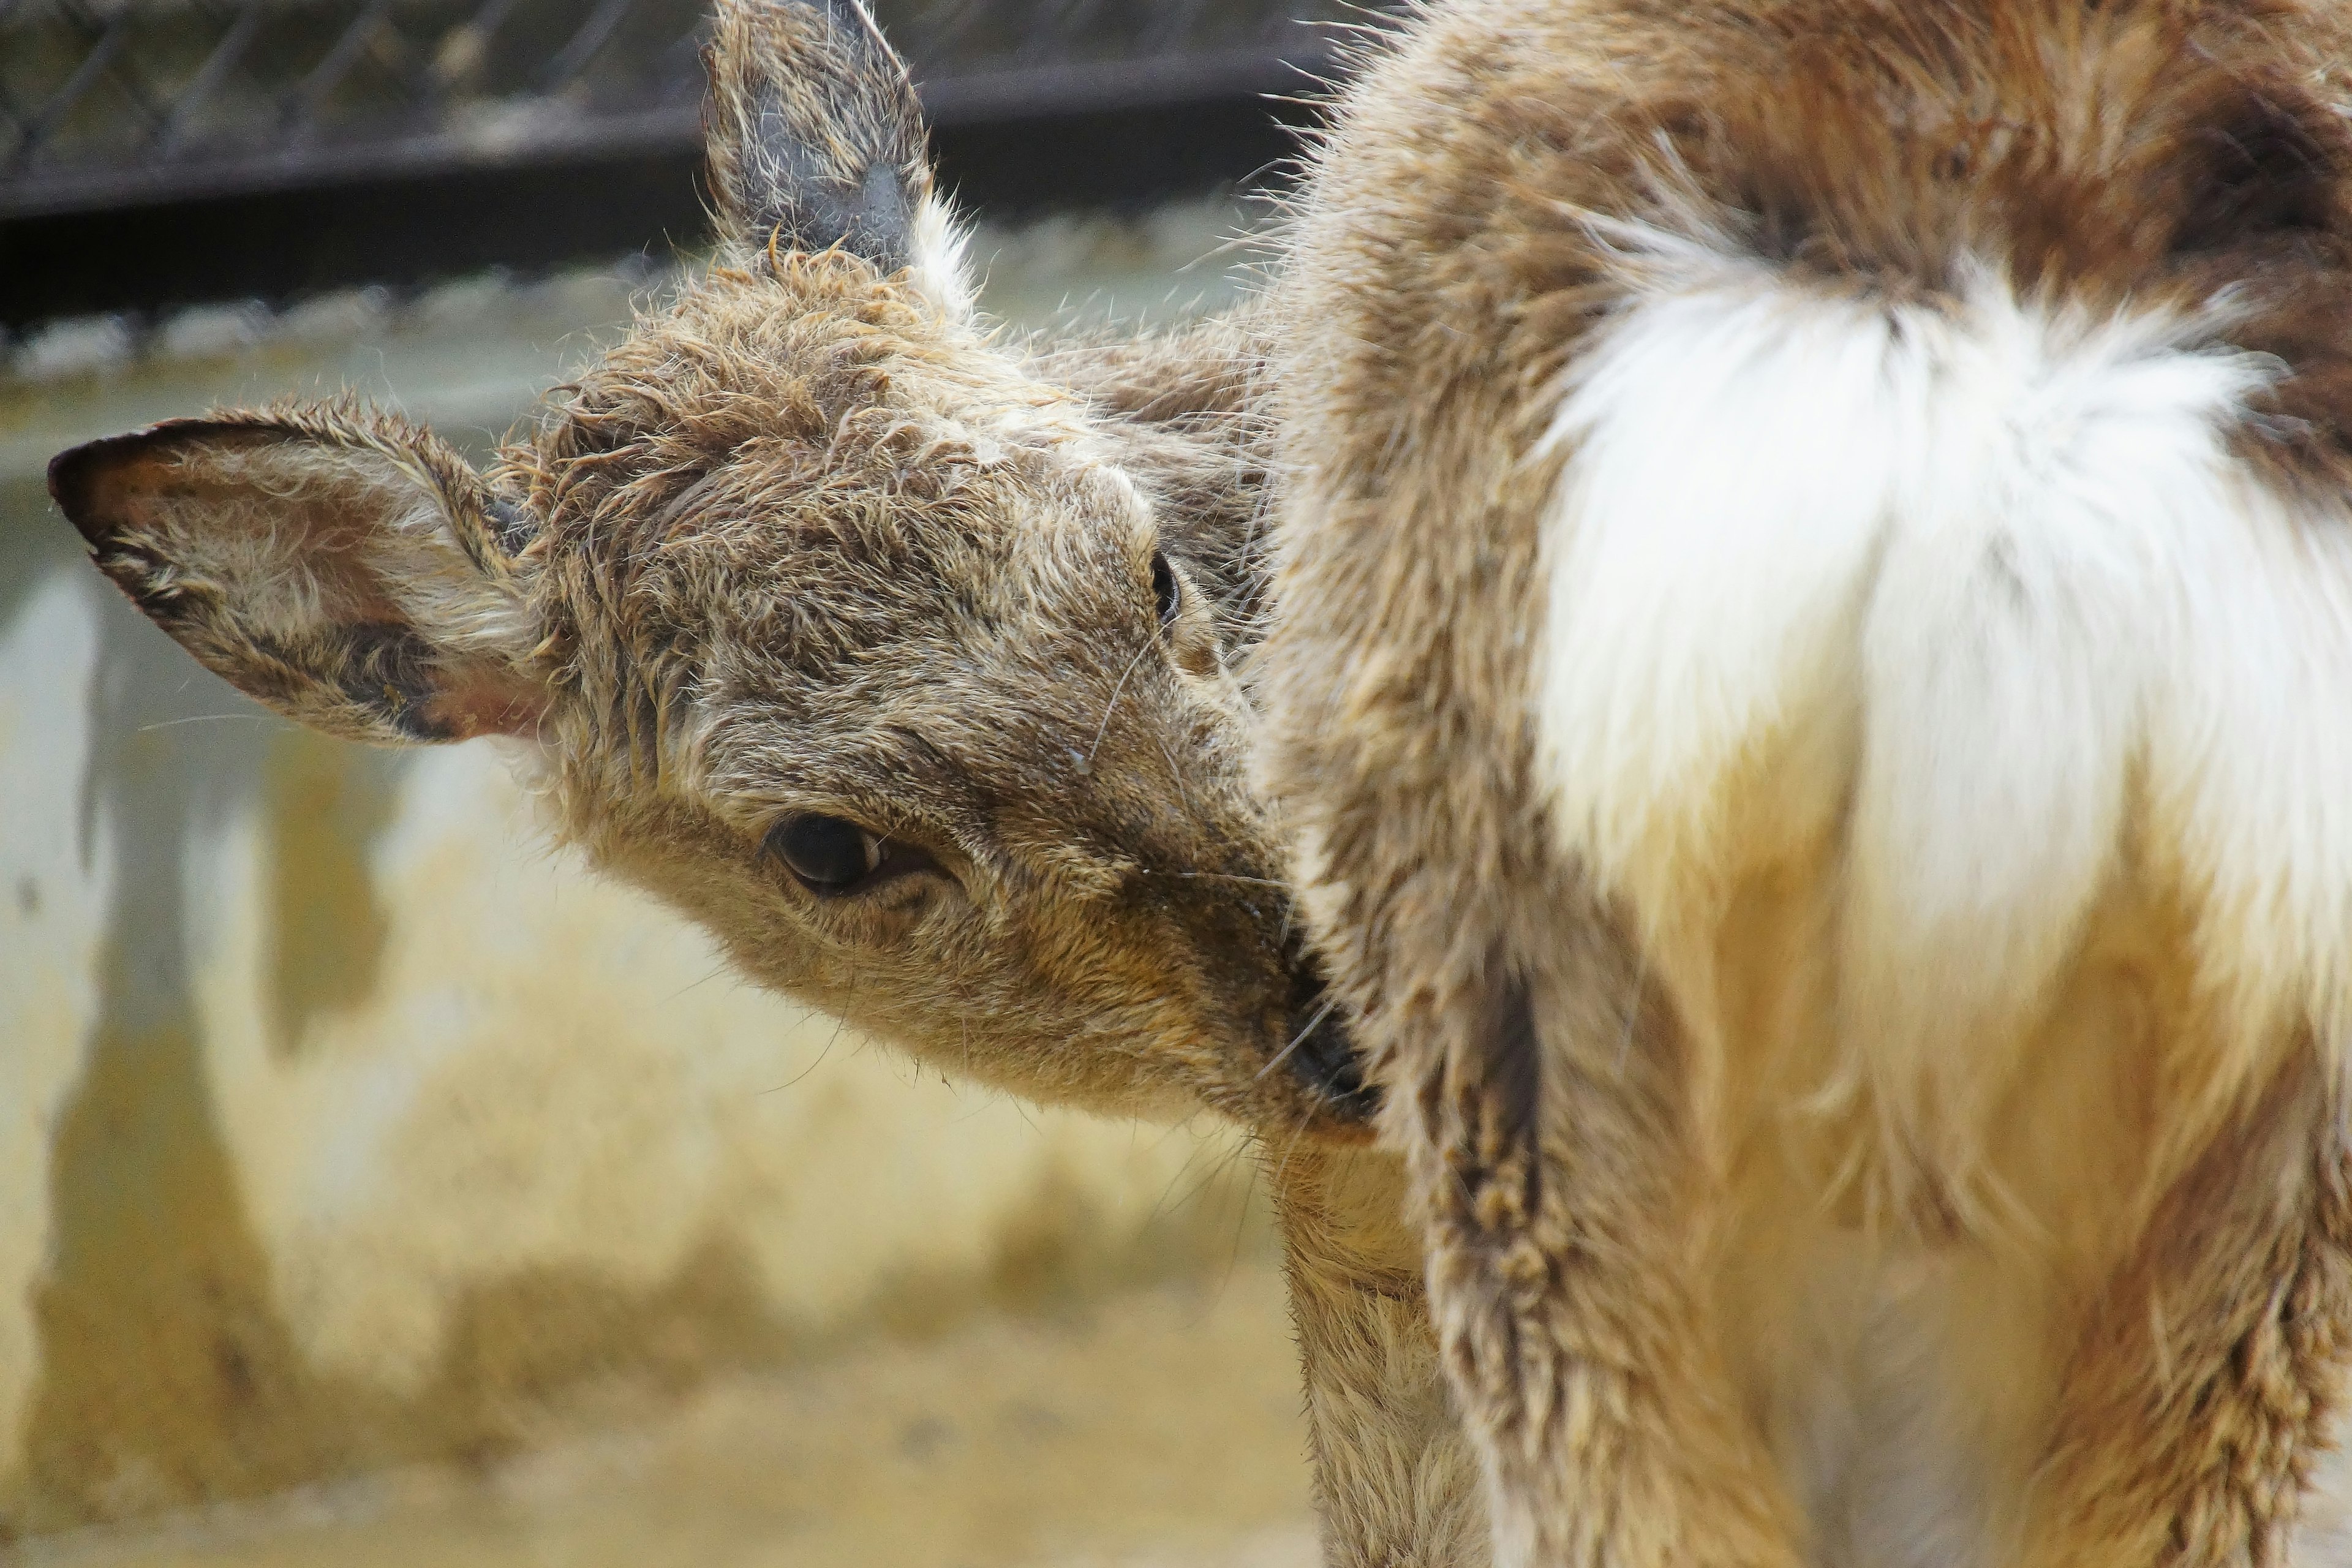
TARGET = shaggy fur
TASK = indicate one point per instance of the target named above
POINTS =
(1813, 627)
(813, 542)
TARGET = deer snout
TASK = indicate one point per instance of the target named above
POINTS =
(1319, 1050)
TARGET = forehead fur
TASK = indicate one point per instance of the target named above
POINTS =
(773, 483)
(825, 376)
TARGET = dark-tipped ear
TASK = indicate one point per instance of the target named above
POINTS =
(816, 141)
(343, 567)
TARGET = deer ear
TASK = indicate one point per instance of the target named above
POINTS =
(816, 141)
(344, 568)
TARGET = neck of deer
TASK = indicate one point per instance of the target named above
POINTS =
(1395, 1481)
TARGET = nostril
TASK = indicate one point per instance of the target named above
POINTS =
(1322, 1055)
(1316, 1046)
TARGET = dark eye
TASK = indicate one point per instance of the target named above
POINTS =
(828, 853)
(1165, 595)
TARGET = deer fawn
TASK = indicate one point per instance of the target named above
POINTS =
(892, 652)
(1809, 668)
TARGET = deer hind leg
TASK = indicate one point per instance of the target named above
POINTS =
(2198, 1395)
(1546, 1128)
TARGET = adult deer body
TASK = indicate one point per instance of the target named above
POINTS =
(1811, 670)
(891, 651)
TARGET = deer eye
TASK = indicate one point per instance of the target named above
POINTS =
(828, 853)
(1166, 596)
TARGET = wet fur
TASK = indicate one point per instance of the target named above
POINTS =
(815, 538)
(1812, 639)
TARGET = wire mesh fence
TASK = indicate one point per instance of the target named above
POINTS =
(109, 104)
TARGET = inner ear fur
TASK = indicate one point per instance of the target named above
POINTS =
(816, 142)
(339, 565)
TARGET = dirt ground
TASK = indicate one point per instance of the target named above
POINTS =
(1156, 1429)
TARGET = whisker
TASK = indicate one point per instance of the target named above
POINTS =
(213, 719)
(1218, 876)
(1176, 776)
(1282, 1166)
(1164, 1206)
(1104, 728)
(1297, 1040)
(839, 1025)
(697, 984)
(1241, 1220)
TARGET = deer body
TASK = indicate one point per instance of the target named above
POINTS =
(1796, 513)
(1814, 622)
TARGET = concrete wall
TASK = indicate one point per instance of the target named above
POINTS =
(342, 1122)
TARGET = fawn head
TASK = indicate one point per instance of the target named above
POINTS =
(833, 621)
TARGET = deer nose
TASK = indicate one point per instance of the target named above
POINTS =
(1319, 1050)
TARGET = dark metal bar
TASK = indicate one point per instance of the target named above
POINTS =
(1053, 23)
(667, 130)
(1080, 87)
(1175, 24)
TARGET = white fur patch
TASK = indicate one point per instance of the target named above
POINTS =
(938, 244)
(1977, 593)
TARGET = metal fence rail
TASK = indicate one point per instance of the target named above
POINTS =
(108, 104)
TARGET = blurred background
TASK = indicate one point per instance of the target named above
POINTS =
(376, 1187)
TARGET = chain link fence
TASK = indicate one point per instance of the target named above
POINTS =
(108, 104)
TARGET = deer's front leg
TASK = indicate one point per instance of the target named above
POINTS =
(1547, 1111)
(1395, 1481)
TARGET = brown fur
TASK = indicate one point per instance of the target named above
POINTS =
(1592, 1154)
(805, 541)
(812, 543)
(1182, 404)
(816, 138)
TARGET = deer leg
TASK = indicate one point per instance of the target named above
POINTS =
(1395, 1481)
(1547, 1120)
(2200, 1389)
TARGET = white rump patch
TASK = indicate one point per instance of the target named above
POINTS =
(1975, 593)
